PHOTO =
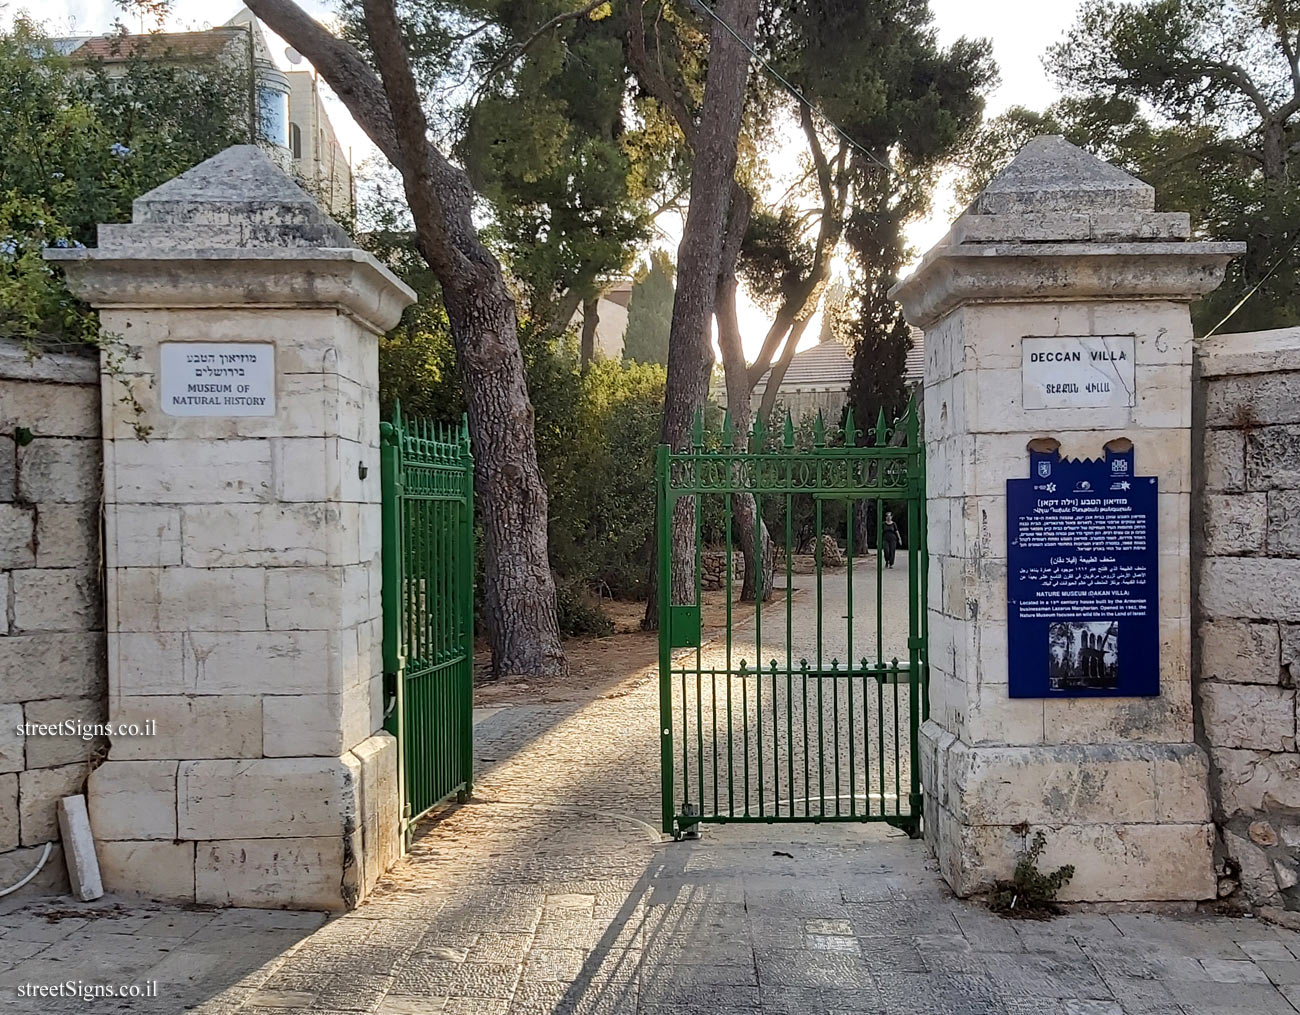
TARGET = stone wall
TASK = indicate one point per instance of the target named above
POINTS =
(51, 615)
(1247, 619)
(242, 559)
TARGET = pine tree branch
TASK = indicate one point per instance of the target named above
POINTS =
(523, 47)
(442, 202)
(1288, 49)
(416, 156)
(650, 76)
(340, 63)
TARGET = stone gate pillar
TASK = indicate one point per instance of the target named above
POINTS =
(241, 489)
(1059, 251)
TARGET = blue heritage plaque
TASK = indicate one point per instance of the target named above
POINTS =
(1082, 608)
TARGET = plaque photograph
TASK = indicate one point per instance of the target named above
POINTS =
(1083, 654)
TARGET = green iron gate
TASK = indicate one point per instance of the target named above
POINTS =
(806, 708)
(427, 474)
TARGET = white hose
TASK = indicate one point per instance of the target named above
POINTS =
(39, 864)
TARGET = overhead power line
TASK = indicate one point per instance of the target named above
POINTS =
(794, 92)
(1255, 288)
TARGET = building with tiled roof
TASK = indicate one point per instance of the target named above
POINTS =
(202, 47)
(914, 370)
(817, 379)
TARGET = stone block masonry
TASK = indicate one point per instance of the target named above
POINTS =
(1060, 250)
(52, 659)
(242, 551)
(1247, 607)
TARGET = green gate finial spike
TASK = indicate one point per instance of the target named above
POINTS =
(759, 432)
(882, 428)
(728, 433)
(464, 431)
(913, 422)
(819, 431)
(850, 431)
(788, 435)
(697, 429)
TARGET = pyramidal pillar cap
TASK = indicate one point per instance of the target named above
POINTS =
(1051, 175)
(1060, 224)
(234, 230)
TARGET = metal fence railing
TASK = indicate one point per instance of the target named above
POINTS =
(427, 476)
(806, 707)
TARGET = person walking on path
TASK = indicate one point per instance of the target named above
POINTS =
(891, 538)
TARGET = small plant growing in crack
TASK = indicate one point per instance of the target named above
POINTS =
(1030, 894)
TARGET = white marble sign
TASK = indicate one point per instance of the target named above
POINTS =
(1072, 372)
(218, 379)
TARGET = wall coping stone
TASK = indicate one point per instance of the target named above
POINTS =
(233, 231)
(1249, 352)
(1050, 174)
(17, 364)
(347, 279)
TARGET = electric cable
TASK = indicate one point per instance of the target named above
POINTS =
(798, 95)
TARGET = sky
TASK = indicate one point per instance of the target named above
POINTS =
(1020, 30)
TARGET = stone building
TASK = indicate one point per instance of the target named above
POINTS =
(817, 380)
(318, 159)
(611, 319)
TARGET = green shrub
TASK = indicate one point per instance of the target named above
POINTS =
(596, 437)
(579, 611)
(78, 147)
(1031, 893)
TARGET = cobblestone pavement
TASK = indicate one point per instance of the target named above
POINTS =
(552, 893)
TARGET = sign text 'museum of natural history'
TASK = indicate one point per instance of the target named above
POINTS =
(218, 379)
(1082, 605)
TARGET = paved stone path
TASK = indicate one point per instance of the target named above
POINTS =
(553, 894)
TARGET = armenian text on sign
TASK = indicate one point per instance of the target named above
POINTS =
(217, 379)
(1082, 562)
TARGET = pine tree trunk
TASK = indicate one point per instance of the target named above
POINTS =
(518, 590)
(590, 319)
(744, 510)
(745, 516)
(863, 516)
(690, 356)
(511, 501)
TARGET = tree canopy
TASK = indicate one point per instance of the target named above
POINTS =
(79, 146)
(893, 118)
(1201, 99)
(533, 99)
(650, 312)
